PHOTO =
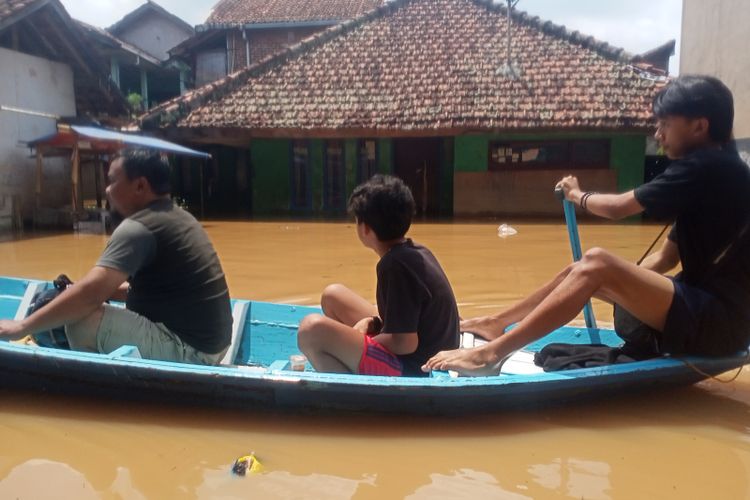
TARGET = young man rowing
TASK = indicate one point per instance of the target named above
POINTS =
(706, 190)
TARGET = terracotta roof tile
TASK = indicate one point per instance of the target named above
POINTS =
(243, 12)
(428, 65)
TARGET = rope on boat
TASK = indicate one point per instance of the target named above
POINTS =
(715, 377)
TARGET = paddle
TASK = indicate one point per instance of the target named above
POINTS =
(575, 246)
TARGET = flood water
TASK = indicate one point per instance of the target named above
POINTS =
(689, 443)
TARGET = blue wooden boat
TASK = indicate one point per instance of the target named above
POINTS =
(257, 373)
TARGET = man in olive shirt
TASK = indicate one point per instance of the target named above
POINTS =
(160, 262)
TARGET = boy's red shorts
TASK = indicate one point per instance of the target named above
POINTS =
(377, 360)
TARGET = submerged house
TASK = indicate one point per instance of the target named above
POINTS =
(240, 33)
(426, 90)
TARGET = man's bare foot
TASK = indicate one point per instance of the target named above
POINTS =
(473, 362)
(488, 327)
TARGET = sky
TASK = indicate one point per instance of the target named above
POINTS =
(635, 25)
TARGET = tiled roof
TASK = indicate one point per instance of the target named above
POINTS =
(10, 7)
(426, 66)
(245, 12)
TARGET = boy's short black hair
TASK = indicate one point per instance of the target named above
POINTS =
(149, 164)
(699, 96)
(385, 204)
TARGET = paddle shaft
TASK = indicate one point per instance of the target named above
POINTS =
(575, 246)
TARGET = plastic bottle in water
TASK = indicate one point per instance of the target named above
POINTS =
(504, 230)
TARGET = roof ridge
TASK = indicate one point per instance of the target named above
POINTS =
(351, 9)
(560, 31)
(172, 108)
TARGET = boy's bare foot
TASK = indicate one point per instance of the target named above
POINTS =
(488, 327)
(473, 362)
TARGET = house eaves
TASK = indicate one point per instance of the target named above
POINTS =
(14, 11)
(116, 43)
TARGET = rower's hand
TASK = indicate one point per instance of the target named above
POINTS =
(10, 330)
(364, 326)
(569, 186)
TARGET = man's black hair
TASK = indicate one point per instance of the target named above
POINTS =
(385, 204)
(698, 96)
(149, 164)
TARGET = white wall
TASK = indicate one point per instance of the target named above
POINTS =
(35, 84)
(154, 35)
(715, 42)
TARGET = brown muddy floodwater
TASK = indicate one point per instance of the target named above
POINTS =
(689, 443)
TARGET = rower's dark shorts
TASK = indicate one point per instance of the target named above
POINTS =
(697, 323)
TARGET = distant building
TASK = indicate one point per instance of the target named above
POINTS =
(137, 50)
(657, 59)
(240, 33)
(48, 71)
(715, 42)
(421, 89)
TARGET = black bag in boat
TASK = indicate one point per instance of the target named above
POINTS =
(641, 342)
(54, 337)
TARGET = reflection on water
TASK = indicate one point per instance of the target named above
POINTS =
(465, 483)
(644, 446)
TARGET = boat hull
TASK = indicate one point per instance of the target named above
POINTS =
(267, 336)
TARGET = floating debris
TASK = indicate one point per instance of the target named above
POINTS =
(504, 230)
(248, 463)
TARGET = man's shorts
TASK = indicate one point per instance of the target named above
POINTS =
(377, 360)
(121, 326)
(697, 323)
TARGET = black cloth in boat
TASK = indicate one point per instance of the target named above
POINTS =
(560, 356)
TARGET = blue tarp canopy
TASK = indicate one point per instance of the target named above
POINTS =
(106, 140)
(99, 141)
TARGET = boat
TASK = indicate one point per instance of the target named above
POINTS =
(257, 373)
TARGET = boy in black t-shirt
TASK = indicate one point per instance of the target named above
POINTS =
(705, 309)
(416, 314)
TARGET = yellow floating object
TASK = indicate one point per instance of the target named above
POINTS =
(248, 463)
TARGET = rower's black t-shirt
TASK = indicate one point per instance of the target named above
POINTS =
(414, 295)
(707, 194)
